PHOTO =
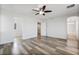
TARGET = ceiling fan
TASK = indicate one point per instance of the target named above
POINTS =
(41, 10)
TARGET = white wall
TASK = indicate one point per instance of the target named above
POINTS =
(6, 29)
(29, 26)
(56, 27)
(0, 28)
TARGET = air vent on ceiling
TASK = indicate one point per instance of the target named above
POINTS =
(70, 6)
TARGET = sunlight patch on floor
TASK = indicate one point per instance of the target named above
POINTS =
(15, 49)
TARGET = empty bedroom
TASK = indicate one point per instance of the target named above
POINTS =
(39, 29)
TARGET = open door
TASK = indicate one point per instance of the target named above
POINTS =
(72, 30)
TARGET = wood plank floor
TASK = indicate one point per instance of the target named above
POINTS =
(46, 46)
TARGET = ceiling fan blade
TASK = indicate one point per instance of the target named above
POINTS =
(48, 11)
(35, 10)
(43, 8)
(72, 5)
(36, 13)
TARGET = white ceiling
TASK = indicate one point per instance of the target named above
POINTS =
(26, 9)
